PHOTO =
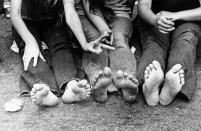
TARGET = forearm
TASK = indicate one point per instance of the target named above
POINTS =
(189, 15)
(19, 24)
(73, 21)
(145, 12)
(22, 30)
(99, 23)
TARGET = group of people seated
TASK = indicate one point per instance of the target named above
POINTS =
(88, 42)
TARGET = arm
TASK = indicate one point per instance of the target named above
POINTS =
(95, 19)
(72, 19)
(99, 23)
(145, 12)
(19, 24)
(188, 15)
(31, 46)
(163, 24)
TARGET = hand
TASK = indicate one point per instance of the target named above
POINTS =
(96, 45)
(31, 51)
(109, 36)
(164, 22)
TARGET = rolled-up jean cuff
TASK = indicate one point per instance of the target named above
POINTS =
(63, 84)
(26, 93)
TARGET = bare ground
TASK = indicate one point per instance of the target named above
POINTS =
(114, 115)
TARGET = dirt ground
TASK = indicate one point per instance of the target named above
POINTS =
(114, 115)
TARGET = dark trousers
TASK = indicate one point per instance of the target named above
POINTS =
(119, 59)
(62, 56)
(177, 47)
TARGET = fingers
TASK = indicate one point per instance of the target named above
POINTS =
(165, 30)
(41, 56)
(26, 61)
(111, 39)
(35, 61)
(101, 38)
(107, 47)
(168, 22)
(162, 24)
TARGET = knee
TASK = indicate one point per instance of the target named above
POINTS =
(120, 40)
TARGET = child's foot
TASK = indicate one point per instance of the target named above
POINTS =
(128, 84)
(153, 76)
(174, 80)
(100, 83)
(76, 91)
(41, 95)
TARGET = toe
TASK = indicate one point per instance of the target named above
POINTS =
(181, 71)
(135, 81)
(176, 68)
(151, 66)
(156, 64)
(146, 74)
(100, 73)
(32, 93)
(119, 74)
(87, 86)
(182, 81)
(38, 87)
(148, 69)
(181, 75)
(34, 100)
(82, 83)
(126, 74)
(107, 72)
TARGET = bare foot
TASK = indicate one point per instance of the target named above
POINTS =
(76, 91)
(41, 95)
(153, 76)
(174, 80)
(100, 84)
(128, 84)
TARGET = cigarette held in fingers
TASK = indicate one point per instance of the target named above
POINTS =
(107, 47)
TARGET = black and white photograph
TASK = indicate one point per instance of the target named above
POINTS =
(100, 65)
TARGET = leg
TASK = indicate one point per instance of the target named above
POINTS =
(182, 54)
(94, 64)
(122, 61)
(64, 66)
(40, 74)
(152, 62)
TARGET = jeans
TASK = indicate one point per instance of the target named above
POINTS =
(177, 47)
(92, 63)
(61, 53)
(119, 59)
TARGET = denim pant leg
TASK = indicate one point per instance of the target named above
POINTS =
(40, 73)
(183, 51)
(61, 51)
(92, 63)
(122, 58)
(155, 47)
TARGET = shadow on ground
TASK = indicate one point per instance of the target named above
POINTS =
(114, 115)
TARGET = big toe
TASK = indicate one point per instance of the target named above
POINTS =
(119, 74)
(107, 72)
(176, 68)
(156, 64)
(82, 83)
